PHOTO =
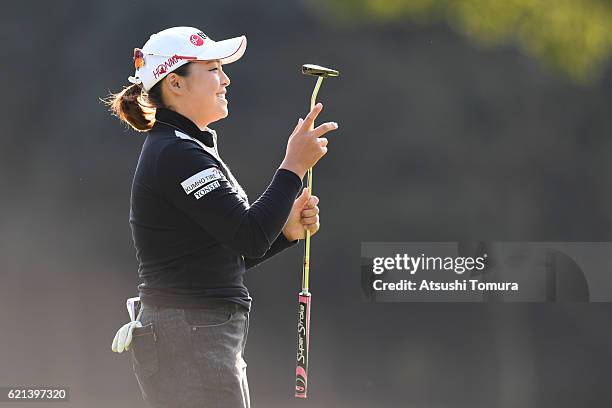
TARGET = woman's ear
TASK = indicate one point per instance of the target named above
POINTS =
(174, 83)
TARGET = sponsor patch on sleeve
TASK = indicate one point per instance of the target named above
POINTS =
(196, 181)
(206, 189)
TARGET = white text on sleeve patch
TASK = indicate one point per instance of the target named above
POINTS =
(199, 179)
(206, 189)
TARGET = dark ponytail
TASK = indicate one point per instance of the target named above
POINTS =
(136, 107)
(133, 107)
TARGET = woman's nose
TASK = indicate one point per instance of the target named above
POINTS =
(226, 80)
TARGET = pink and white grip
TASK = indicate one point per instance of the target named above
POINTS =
(303, 329)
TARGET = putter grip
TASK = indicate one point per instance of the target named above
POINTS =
(303, 329)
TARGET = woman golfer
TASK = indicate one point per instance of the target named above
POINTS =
(194, 230)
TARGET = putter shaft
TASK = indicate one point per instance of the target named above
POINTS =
(306, 269)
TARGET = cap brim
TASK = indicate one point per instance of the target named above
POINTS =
(227, 51)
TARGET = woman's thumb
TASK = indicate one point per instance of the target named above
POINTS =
(304, 196)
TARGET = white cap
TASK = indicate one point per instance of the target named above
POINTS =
(174, 47)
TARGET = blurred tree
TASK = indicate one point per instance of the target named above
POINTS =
(571, 36)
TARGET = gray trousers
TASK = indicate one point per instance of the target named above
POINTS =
(187, 358)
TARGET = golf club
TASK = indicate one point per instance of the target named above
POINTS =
(301, 370)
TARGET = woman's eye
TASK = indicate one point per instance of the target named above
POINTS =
(215, 68)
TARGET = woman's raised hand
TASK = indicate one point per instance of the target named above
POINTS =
(306, 146)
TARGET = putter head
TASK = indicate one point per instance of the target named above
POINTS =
(319, 71)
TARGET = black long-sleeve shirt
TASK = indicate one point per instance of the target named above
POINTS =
(193, 228)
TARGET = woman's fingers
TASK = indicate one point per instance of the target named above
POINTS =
(311, 212)
(324, 128)
(312, 202)
(310, 220)
(313, 228)
(309, 217)
(311, 207)
(304, 149)
(312, 115)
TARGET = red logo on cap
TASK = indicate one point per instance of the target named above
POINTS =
(196, 40)
(163, 68)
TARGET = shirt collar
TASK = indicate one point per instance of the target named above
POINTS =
(185, 125)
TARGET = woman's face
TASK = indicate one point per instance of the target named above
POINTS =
(201, 94)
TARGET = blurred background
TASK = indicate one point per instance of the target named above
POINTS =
(459, 120)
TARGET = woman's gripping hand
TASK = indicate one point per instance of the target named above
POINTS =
(304, 216)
